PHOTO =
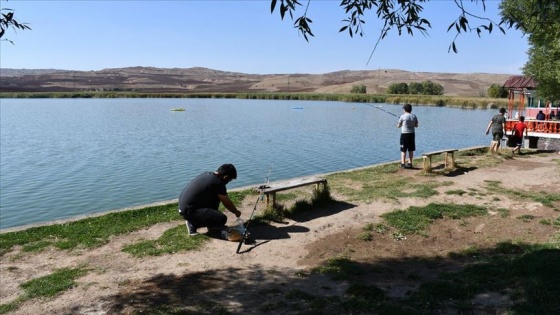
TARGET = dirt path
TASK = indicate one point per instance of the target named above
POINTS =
(242, 283)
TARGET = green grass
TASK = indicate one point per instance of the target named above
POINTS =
(51, 285)
(526, 217)
(319, 197)
(504, 213)
(465, 159)
(415, 220)
(340, 268)
(361, 298)
(381, 182)
(47, 286)
(90, 232)
(458, 192)
(94, 232)
(546, 198)
(172, 241)
(200, 307)
(526, 274)
(528, 277)
(370, 228)
(9, 307)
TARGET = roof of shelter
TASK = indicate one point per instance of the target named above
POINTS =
(520, 82)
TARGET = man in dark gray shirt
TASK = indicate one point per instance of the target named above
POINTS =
(498, 125)
(200, 199)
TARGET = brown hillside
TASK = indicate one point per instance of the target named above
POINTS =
(200, 80)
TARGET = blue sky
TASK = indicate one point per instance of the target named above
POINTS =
(243, 36)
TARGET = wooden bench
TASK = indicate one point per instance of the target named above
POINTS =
(427, 157)
(272, 188)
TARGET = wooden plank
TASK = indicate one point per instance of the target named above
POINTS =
(439, 152)
(293, 183)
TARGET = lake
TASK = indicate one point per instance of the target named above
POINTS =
(61, 158)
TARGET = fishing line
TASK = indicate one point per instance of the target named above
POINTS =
(379, 107)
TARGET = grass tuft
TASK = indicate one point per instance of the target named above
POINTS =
(51, 285)
(340, 268)
(47, 286)
(90, 232)
(172, 241)
(415, 220)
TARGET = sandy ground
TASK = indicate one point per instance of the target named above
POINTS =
(118, 283)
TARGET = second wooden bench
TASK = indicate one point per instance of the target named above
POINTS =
(448, 164)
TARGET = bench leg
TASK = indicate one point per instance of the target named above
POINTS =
(322, 185)
(452, 165)
(427, 163)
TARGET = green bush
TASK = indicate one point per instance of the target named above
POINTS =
(359, 89)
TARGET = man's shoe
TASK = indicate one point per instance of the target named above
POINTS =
(403, 166)
(191, 228)
(408, 165)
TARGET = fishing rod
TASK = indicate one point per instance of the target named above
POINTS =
(261, 189)
(379, 107)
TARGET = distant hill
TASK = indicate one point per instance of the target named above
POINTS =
(204, 80)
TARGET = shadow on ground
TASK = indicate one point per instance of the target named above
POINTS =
(460, 171)
(333, 207)
(504, 282)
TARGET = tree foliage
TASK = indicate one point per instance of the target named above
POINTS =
(431, 88)
(359, 89)
(425, 88)
(7, 21)
(397, 15)
(540, 20)
(415, 88)
(398, 88)
(497, 91)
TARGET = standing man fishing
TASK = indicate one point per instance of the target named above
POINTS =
(498, 125)
(199, 200)
(407, 123)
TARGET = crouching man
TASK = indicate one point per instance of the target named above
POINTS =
(200, 199)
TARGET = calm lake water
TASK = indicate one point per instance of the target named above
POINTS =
(66, 157)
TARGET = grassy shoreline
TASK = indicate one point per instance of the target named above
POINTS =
(503, 269)
(174, 201)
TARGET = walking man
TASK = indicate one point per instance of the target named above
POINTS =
(498, 125)
(199, 200)
(407, 122)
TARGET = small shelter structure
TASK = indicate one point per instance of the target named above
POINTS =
(520, 87)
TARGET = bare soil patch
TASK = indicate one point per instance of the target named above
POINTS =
(272, 275)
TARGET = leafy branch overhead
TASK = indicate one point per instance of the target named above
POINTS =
(7, 21)
(400, 15)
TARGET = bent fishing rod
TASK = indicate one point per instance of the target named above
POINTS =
(261, 189)
(379, 107)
